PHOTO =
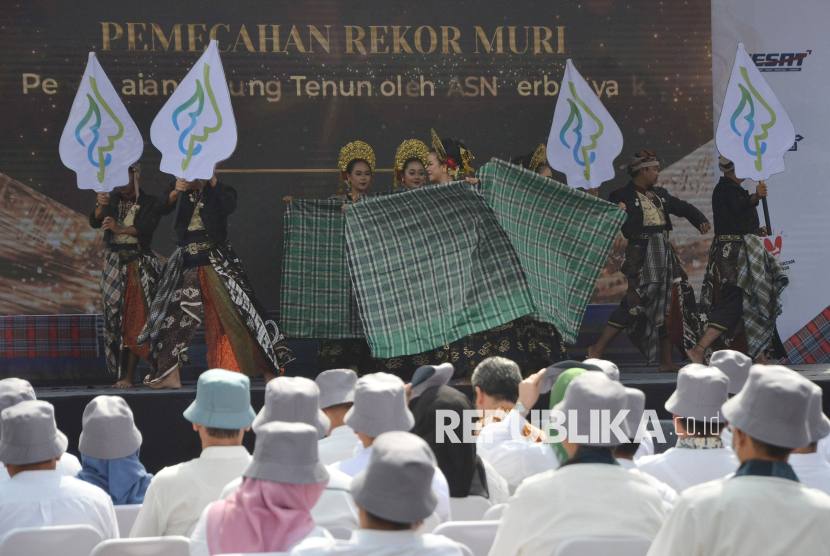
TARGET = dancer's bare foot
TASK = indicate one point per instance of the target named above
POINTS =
(172, 381)
(126, 382)
(697, 354)
(594, 352)
(668, 367)
(762, 359)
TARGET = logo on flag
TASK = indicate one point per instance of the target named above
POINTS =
(754, 130)
(196, 129)
(100, 140)
(584, 139)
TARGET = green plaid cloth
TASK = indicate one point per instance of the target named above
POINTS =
(561, 236)
(431, 266)
(763, 281)
(315, 294)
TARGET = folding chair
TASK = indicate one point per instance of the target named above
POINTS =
(66, 540)
(478, 536)
(494, 513)
(126, 516)
(148, 546)
(604, 546)
(470, 508)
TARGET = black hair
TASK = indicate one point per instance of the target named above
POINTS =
(775, 452)
(350, 166)
(410, 160)
(380, 523)
(627, 450)
(499, 378)
(453, 149)
(222, 433)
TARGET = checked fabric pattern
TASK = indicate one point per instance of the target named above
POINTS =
(430, 266)
(314, 297)
(562, 238)
(48, 336)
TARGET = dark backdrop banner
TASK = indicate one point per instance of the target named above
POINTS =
(307, 77)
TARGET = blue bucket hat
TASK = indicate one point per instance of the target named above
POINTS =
(223, 401)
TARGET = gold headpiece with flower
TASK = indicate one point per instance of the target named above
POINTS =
(409, 149)
(356, 150)
(437, 145)
(539, 157)
(453, 166)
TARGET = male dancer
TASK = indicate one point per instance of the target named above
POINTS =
(204, 278)
(129, 217)
(659, 306)
(742, 287)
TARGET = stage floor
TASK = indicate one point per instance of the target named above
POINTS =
(170, 439)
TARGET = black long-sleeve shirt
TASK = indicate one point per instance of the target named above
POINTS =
(217, 202)
(671, 205)
(733, 211)
(145, 222)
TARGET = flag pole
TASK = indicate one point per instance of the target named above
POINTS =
(766, 212)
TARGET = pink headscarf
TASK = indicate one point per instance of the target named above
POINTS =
(262, 516)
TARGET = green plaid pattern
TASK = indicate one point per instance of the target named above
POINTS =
(314, 297)
(763, 281)
(562, 237)
(431, 266)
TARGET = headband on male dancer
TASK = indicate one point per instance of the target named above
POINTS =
(640, 160)
(725, 164)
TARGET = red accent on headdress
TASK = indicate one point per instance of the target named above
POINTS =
(398, 175)
(343, 176)
(450, 163)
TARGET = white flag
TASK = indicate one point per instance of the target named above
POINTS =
(584, 140)
(195, 128)
(754, 131)
(100, 140)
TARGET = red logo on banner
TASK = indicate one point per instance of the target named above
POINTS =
(774, 248)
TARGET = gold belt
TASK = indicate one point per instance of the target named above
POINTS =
(730, 237)
(194, 248)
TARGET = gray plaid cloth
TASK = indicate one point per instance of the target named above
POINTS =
(562, 237)
(170, 275)
(431, 266)
(762, 280)
(315, 299)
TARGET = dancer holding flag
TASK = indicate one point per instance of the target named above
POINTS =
(742, 287)
(195, 130)
(659, 306)
(102, 144)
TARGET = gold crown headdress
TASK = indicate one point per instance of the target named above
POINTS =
(356, 150)
(452, 166)
(539, 157)
(409, 149)
(437, 145)
(466, 157)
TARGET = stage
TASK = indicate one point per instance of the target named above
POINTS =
(170, 439)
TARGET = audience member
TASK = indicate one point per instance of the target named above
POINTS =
(178, 495)
(635, 403)
(37, 494)
(590, 494)
(379, 407)
(467, 474)
(395, 494)
(14, 391)
(271, 510)
(109, 446)
(700, 455)
(763, 509)
(810, 467)
(296, 400)
(496, 388)
(336, 398)
(735, 365)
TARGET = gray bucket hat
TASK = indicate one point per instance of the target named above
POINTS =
(635, 403)
(816, 419)
(29, 434)
(772, 407)
(609, 368)
(379, 406)
(428, 376)
(733, 364)
(396, 484)
(591, 391)
(552, 372)
(15, 390)
(223, 401)
(701, 392)
(109, 430)
(293, 400)
(336, 387)
(286, 453)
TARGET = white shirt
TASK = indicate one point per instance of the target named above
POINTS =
(369, 542)
(340, 444)
(335, 506)
(746, 516)
(497, 488)
(355, 465)
(646, 448)
(199, 544)
(824, 448)
(667, 493)
(681, 468)
(578, 500)
(68, 465)
(177, 495)
(514, 459)
(47, 498)
(812, 470)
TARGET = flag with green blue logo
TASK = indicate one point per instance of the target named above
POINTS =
(754, 131)
(584, 139)
(195, 128)
(100, 140)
